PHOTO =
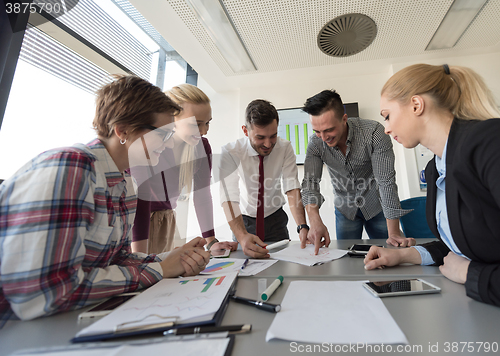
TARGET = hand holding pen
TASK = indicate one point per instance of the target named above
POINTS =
(277, 244)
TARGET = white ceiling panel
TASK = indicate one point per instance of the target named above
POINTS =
(281, 35)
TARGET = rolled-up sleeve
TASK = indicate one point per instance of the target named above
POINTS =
(229, 177)
(290, 175)
(313, 169)
(385, 175)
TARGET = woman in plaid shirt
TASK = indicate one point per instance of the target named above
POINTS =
(66, 216)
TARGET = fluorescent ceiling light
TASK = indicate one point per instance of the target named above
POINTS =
(214, 18)
(454, 24)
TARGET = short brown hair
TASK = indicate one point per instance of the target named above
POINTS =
(260, 113)
(130, 101)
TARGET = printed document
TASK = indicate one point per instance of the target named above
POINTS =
(306, 256)
(181, 300)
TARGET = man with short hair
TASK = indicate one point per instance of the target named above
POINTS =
(259, 160)
(360, 160)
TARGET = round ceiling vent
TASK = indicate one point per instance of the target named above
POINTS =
(347, 35)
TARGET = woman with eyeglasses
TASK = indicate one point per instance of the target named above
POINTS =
(66, 216)
(451, 111)
(186, 165)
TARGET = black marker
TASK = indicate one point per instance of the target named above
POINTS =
(273, 308)
(232, 329)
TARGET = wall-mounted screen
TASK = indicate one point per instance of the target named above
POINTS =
(295, 127)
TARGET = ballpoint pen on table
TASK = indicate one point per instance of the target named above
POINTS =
(273, 308)
(231, 329)
(244, 264)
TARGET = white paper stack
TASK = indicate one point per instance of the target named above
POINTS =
(306, 256)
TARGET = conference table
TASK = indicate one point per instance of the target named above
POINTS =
(436, 324)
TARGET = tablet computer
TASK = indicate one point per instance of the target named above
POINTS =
(400, 287)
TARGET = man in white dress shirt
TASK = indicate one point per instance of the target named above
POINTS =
(241, 163)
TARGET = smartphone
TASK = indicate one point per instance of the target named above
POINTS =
(220, 253)
(360, 250)
(106, 307)
(401, 287)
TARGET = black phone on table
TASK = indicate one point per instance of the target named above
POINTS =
(106, 307)
(360, 250)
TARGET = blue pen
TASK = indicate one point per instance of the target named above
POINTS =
(244, 263)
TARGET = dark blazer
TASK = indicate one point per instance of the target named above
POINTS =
(473, 203)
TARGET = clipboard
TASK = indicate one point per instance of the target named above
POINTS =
(167, 323)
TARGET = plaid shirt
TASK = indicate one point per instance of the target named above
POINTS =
(65, 232)
(364, 178)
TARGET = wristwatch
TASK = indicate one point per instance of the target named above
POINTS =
(303, 226)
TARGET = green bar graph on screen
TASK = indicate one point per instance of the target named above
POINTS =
(288, 132)
(297, 143)
(305, 138)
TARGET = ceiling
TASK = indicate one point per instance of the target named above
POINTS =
(281, 36)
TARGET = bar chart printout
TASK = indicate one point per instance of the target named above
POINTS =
(217, 280)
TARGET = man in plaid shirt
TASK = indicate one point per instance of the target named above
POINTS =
(66, 216)
(360, 161)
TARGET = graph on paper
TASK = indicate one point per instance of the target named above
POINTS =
(218, 267)
(223, 265)
(208, 282)
(181, 299)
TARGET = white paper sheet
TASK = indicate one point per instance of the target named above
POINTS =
(256, 266)
(188, 299)
(337, 312)
(163, 346)
(306, 256)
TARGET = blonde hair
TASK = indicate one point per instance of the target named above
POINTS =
(181, 94)
(460, 90)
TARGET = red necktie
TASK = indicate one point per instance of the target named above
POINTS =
(260, 206)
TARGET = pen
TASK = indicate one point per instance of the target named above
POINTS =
(277, 244)
(244, 264)
(270, 290)
(273, 308)
(232, 329)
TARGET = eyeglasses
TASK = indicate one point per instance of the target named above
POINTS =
(164, 134)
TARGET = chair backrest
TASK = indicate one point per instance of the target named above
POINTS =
(414, 224)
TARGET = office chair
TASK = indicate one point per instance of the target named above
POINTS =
(414, 224)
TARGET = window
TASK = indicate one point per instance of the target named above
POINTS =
(51, 103)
